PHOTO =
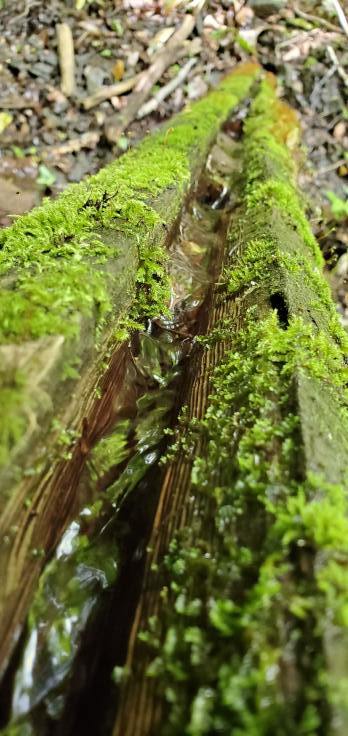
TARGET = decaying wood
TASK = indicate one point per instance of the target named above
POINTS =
(38, 486)
(111, 90)
(140, 712)
(323, 449)
(270, 283)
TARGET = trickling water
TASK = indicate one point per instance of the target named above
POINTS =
(120, 475)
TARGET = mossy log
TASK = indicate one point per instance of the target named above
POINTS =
(242, 624)
(75, 275)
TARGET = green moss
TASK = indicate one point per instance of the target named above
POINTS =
(238, 586)
(14, 420)
(54, 263)
(260, 573)
(20, 729)
(256, 260)
(60, 234)
(286, 198)
(272, 212)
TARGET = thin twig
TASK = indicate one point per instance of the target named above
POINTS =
(337, 65)
(66, 58)
(166, 90)
(18, 103)
(341, 16)
(332, 167)
(86, 140)
(29, 5)
(316, 19)
(111, 90)
(315, 37)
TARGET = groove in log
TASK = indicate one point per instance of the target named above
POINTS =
(245, 594)
(72, 273)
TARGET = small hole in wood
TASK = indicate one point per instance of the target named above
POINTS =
(278, 303)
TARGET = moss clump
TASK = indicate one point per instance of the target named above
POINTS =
(37, 309)
(260, 574)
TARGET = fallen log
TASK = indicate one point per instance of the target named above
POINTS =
(97, 567)
(76, 275)
(242, 622)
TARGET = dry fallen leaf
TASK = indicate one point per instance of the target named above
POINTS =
(292, 139)
(5, 120)
(211, 22)
(118, 70)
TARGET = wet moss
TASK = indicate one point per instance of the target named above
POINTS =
(244, 592)
(259, 577)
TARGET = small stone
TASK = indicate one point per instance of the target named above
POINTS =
(80, 167)
(95, 77)
(264, 8)
(339, 130)
(100, 117)
(197, 87)
(41, 70)
(82, 124)
(50, 57)
(48, 138)
(132, 58)
(35, 41)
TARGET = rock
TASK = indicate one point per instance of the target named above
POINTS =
(197, 87)
(95, 77)
(14, 198)
(80, 168)
(48, 138)
(264, 8)
(41, 70)
(50, 57)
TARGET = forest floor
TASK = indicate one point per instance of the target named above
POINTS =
(49, 139)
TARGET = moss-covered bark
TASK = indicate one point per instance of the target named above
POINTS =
(75, 275)
(58, 263)
(255, 585)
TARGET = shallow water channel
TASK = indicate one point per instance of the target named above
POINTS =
(61, 678)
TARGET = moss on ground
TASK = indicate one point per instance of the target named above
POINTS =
(241, 641)
(54, 262)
